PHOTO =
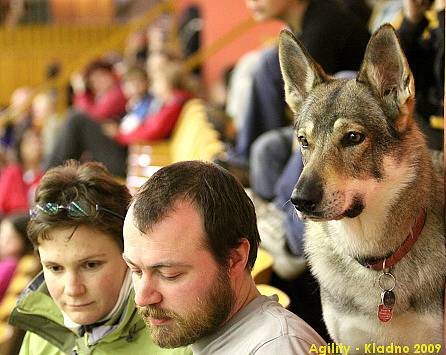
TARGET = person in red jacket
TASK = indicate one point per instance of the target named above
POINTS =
(19, 180)
(98, 98)
(106, 142)
(167, 88)
(14, 244)
(98, 93)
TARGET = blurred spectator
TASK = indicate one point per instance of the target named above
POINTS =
(190, 27)
(160, 35)
(98, 98)
(168, 88)
(19, 179)
(384, 11)
(139, 101)
(17, 115)
(18, 112)
(14, 244)
(424, 48)
(335, 39)
(216, 107)
(105, 141)
(46, 118)
(14, 12)
(135, 51)
(97, 92)
(240, 83)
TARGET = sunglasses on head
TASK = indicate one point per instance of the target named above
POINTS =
(75, 209)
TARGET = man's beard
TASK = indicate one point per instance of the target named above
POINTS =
(209, 313)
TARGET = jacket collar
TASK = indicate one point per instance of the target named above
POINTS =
(36, 312)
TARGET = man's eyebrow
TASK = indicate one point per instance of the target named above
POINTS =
(164, 264)
(168, 264)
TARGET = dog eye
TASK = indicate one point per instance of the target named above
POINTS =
(303, 141)
(353, 138)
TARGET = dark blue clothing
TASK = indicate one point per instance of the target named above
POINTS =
(284, 187)
(334, 38)
(425, 56)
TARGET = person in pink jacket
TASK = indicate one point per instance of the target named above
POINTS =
(98, 93)
(14, 244)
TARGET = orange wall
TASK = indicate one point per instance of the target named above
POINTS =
(219, 18)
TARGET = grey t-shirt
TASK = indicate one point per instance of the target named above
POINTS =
(261, 327)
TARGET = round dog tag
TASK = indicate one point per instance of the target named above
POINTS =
(384, 314)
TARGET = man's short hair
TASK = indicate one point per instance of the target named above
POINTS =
(227, 212)
(90, 183)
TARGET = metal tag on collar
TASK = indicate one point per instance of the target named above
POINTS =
(385, 308)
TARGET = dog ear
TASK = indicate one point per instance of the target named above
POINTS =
(386, 71)
(299, 71)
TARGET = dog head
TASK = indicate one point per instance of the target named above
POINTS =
(352, 133)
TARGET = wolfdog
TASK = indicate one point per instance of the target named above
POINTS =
(372, 201)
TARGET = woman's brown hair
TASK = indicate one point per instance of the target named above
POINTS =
(90, 183)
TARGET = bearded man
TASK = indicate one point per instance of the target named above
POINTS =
(191, 240)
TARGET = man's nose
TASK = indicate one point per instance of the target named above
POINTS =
(146, 292)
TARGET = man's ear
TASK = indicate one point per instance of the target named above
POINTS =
(386, 71)
(238, 258)
(299, 71)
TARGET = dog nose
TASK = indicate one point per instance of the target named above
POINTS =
(307, 195)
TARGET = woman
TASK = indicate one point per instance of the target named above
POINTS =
(98, 92)
(83, 301)
(98, 98)
(19, 179)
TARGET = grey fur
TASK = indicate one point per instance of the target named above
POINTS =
(373, 174)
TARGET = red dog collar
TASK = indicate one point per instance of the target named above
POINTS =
(404, 248)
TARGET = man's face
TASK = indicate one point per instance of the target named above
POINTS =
(263, 10)
(182, 293)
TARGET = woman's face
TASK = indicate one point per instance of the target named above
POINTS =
(31, 148)
(135, 87)
(11, 244)
(84, 273)
(101, 81)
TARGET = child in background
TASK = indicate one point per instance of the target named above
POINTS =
(14, 244)
(167, 87)
(140, 103)
(46, 118)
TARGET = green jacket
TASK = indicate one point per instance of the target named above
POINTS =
(46, 334)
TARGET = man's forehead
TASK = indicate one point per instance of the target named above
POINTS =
(180, 229)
